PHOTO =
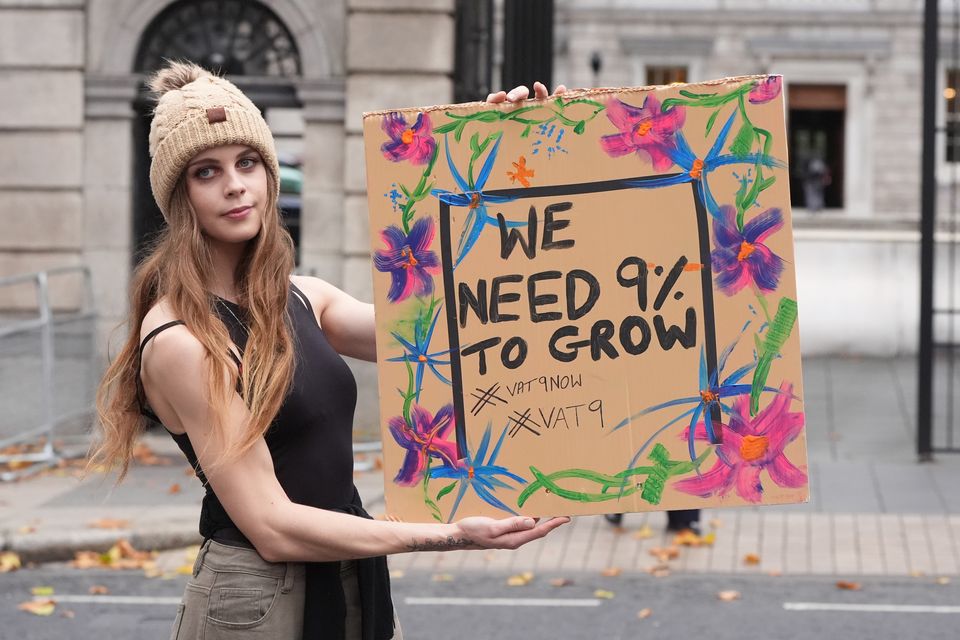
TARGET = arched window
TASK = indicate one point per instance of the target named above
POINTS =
(233, 37)
(241, 39)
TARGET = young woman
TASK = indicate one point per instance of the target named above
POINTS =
(240, 362)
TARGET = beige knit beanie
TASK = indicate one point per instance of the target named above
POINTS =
(195, 111)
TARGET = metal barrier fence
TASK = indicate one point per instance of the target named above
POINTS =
(48, 368)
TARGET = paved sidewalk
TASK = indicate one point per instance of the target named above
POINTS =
(873, 511)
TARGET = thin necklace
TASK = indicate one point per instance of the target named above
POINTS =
(223, 303)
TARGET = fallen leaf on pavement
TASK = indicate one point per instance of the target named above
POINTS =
(665, 553)
(917, 574)
(611, 572)
(846, 585)
(397, 573)
(26, 529)
(751, 559)
(9, 561)
(943, 580)
(38, 607)
(122, 555)
(561, 582)
(98, 590)
(185, 570)
(144, 455)
(716, 523)
(689, 538)
(774, 573)
(603, 594)
(659, 570)
(643, 614)
(520, 580)
(109, 523)
(174, 488)
(643, 533)
(442, 577)
(728, 596)
(41, 591)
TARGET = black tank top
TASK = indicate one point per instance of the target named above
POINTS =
(311, 444)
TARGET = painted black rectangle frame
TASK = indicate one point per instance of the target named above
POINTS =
(450, 294)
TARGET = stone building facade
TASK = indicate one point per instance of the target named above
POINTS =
(72, 119)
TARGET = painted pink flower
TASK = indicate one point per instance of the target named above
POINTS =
(750, 446)
(412, 143)
(644, 130)
(765, 90)
(426, 437)
(740, 257)
(408, 260)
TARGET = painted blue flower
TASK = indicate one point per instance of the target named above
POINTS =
(696, 169)
(480, 474)
(418, 351)
(472, 197)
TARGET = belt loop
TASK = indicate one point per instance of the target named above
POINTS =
(200, 555)
(288, 574)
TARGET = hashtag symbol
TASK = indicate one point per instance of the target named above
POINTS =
(523, 421)
(485, 397)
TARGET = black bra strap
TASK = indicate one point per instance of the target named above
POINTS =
(162, 327)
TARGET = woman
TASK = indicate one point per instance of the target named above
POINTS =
(240, 362)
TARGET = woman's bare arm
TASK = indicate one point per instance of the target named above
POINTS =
(174, 376)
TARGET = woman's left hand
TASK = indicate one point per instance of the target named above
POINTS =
(518, 94)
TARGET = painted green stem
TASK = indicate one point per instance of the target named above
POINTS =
(421, 191)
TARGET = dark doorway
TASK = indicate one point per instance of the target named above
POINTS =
(241, 38)
(817, 114)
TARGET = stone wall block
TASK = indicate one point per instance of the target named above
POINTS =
(355, 167)
(358, 278)
(64, 290)
(110, 269)
(382, 42)
(356, 226)
(107, 218)
(376, 92)
(41, 99)
(108, 153)
(47, 159)
(38, 220)
(41, 38)
(321, 222)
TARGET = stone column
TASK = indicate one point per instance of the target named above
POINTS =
(399, 54)
(108, 196)
(321, 218)
(41, 145)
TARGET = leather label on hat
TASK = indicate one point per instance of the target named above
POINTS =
(217, 114)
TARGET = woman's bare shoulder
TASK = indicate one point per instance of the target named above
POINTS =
(172, 345)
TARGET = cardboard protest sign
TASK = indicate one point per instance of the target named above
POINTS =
(586, 304)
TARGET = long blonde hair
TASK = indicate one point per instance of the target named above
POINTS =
(175, 269)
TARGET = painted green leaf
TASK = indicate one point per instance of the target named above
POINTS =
(580, 127)
(712, 120)
(743, 143)
(447, 489)
(776, 336)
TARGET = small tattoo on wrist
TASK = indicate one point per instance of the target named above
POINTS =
(443, 544)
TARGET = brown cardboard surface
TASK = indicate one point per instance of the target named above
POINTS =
(569, 290)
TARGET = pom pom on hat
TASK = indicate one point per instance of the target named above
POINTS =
(197, 110)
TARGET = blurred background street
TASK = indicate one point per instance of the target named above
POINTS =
(875, 192)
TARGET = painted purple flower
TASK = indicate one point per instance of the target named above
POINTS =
(644, 130)
(740, 257)
(424, 438)
(408, 143)
(750, 446)
(765, 90)
(408, 260)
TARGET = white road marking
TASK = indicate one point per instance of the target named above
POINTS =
(108, 599)
(505, 602)
(869, 608)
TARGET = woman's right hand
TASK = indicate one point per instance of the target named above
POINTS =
(506, 533)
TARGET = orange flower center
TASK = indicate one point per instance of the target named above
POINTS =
(745, 250)
(422, 358)
(407, 136)
(407, 253)
(754, 447)
(708, 396)
(644, 128)
(470, 472)
(697, 170)
(474, 201)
